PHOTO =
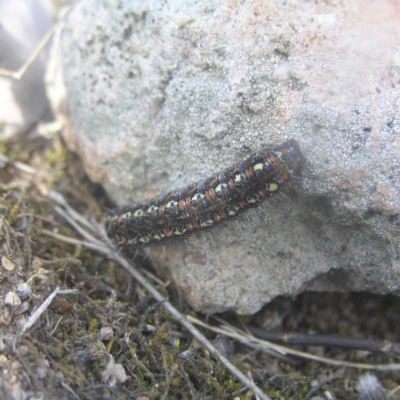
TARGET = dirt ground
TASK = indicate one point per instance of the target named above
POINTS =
(104, 336)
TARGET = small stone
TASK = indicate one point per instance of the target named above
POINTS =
(106, 333)
(12, 299)
(7, 264)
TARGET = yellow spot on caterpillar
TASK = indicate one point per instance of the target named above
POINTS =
(272, 187)
(258, 166)
(178, 232)
(198, 197)
(144, 240)
(252, 200)
(220, 187)
(127, 215)
(171, 204)
(238, 178)
(232, 212)
(138, 213)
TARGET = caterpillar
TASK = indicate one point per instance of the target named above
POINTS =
(206, 203)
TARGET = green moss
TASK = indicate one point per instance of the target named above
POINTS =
(72, 373)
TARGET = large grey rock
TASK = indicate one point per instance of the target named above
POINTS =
(164, 93)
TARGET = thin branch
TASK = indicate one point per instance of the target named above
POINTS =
(59, 199)
(17, 164)
(40, 310)
(76, 242)
(70, 219)
(44, 306)
(18, 75)
(382, 346)
(259, 344)
(186, 323)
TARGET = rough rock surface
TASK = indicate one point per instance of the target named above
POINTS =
(162, 94)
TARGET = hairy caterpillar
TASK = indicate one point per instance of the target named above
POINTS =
(207, 202)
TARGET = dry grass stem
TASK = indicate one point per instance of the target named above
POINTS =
(43, 307)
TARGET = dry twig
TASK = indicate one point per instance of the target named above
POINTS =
(43, 307)
(249, 340)
(18, 75)
(382, 346)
